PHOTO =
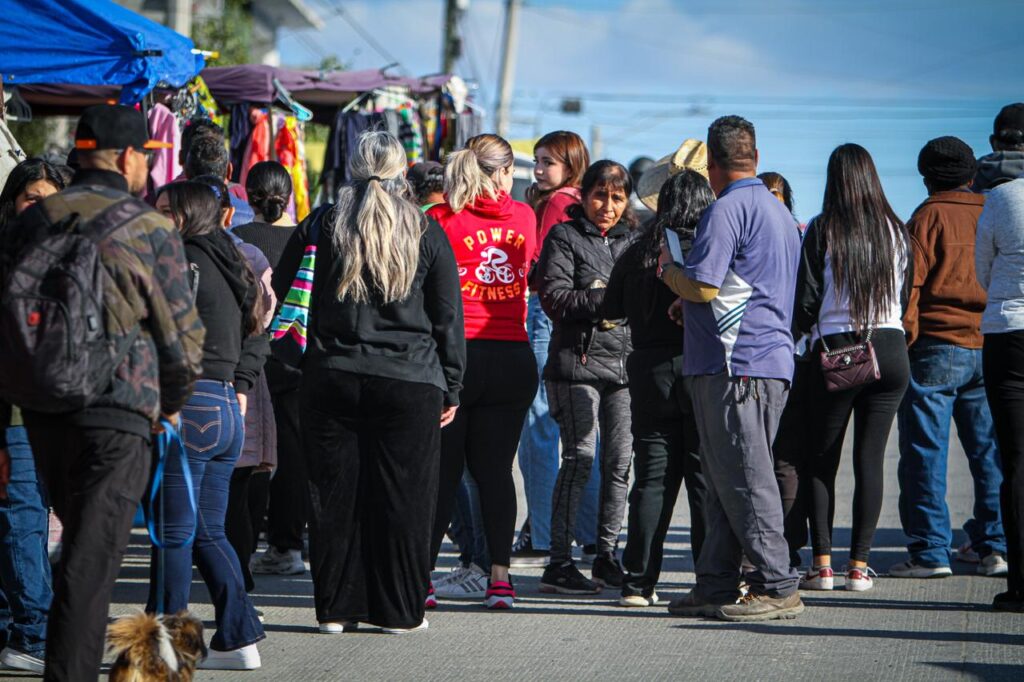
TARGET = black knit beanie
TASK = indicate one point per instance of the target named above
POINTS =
(947, 162)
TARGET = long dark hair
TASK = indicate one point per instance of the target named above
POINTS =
(195, 206)
(269, 187)
(681, 202)
(197, 213)
(23, 175)
(866, 239)
(606, 173)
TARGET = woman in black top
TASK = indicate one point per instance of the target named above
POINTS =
(227, 300)
(285, 497)
(380, 377)
(585, 374)
(665, 442)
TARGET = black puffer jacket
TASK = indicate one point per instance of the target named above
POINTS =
(570, 277)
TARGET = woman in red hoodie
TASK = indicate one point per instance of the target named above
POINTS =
(494, 239)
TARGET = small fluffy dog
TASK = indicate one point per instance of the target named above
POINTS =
(152, 649)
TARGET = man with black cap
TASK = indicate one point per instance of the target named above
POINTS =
(1006, 162)
(95, 462)
(943, 325)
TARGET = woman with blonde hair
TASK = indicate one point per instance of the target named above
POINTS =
(382, 373)
(494, 239)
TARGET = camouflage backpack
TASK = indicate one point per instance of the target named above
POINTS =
(55, 354)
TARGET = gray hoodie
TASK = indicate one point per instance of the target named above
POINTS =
(996, 168)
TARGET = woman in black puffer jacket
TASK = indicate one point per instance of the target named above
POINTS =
(586, 372)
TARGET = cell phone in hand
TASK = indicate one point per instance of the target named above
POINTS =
(674, 247)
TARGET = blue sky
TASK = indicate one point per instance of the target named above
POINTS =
(810, 74)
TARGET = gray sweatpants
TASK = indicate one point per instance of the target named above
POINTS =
(737, 418)
(582, 409)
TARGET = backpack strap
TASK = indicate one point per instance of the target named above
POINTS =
(112, 218)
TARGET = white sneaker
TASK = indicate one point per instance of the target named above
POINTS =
(993, 565)
(338, 627)
(455, 575)
(638, 600)
(967, 555)
(276, 562)
(860, 579)
(246, 658)
(472, 584)
(404, 631)
(820, 578)
(912, 569)
(19, 660)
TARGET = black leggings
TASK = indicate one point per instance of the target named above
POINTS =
(791, 451)
(500, 382)
(873, 407)
(1003, 364)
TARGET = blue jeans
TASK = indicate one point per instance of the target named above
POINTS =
(24, 567)
(538, 450)
(468, 525)
(946, 384)
(212, 430)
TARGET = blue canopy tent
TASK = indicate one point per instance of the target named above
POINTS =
(91, 42)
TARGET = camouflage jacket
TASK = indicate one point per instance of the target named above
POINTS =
(146, 262)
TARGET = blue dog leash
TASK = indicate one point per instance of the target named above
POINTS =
(167, 442)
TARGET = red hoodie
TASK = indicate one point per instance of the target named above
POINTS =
(494, 242)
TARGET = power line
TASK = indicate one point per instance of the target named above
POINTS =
(367, 37)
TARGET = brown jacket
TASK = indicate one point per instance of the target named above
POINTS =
(946, 301)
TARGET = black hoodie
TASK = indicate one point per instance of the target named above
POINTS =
(224, 299)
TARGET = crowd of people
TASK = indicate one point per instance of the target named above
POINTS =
(374, 372)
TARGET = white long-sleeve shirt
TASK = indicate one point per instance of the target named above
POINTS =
(999, 258)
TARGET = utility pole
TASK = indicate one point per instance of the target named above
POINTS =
(596, 143)
(508, 65)
(451, 49)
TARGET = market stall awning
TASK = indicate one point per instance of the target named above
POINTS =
(254, 83)
(91, 42)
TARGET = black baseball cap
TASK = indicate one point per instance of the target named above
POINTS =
(114, 126)
(419, 171)
(1011, 117)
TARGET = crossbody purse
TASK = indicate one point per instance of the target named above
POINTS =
(849, 367)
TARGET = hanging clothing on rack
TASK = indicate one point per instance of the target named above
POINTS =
(163, 126)
(410, 132)
(289, 152)
(239, 131)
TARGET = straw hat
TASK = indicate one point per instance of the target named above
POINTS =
(692, 154)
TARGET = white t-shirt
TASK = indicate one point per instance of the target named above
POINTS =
(834, 315)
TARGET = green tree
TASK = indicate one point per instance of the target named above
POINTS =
(229, 34)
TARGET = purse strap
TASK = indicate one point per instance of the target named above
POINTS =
(829, 352)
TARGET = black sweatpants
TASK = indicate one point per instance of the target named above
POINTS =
(873, 407)
(372, 447)
(95, 478)
(665, 453)
(500, 382)
(1003, 365)
(288, 507)
(791, 450)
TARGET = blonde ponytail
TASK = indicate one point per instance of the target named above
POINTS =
(470, 173)
(378, 239)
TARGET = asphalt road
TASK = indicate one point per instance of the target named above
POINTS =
(901, 630)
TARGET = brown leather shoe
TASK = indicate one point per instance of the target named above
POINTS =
(753, 607)
(689, 606)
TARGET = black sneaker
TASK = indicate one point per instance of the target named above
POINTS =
(524, 555)
(566, 579)
(607, 571)
(1008, 601)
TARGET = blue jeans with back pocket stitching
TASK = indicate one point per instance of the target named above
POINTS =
(212, 431)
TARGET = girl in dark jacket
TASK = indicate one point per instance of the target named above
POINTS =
(852, 287)
(664, 431)
(227, 299)
(585, 373)
(380, 377)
